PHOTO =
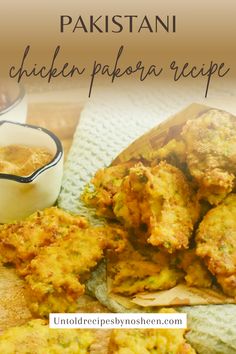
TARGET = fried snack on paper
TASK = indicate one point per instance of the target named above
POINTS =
(21, 241)
(210, 142)
(174, 152)
(145, 341)
(35, 337)
(141, 268)
(158, 200)
(166, 145)
(132, 272)
(182, 295)
(145, 147)
(106, 184)
(55, 277)
(208, 146)
(216, 243)
(54, 251)
(197, 274)
(161, 200)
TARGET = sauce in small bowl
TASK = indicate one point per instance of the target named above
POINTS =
(31, 171)
(23, 160)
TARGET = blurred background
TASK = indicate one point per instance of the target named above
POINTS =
(205, 31)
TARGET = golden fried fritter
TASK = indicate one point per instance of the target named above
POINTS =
(196, 272)
(208, 147)
(106, 183)
(35, 337)
(174, 152)
(157, 199)
(216, 243)
(161, 200)
(210, 142)
(132, 272)
(55, 251)
(149, 341)
(22, 240)
(56, 275)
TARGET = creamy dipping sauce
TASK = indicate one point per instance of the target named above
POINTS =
(22, 160)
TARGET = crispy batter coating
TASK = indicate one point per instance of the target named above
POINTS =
(197, 273)
(210, 144)
(132, 272)
(56, 275)
(35, 337)
(55, 251)
(160, 200)
(208, 147)
(149, 341)
(106, 183)
(22, 240)
(174, 152)
(216, 243)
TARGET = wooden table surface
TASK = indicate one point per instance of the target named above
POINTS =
(58, 112)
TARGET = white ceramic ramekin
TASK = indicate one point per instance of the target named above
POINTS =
(16, 111)
(21, 196)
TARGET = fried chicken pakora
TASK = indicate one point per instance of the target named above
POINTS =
(174, 152)
(56, 258)
(210, 142)
(21, 241)
(161, 200)
(208, 145)
(157, 200)
(133, 271)
(197, 274)
(216, 243)
(149, 341)
(35, 337)
(106, 184)
(56, 276)
(139, 268)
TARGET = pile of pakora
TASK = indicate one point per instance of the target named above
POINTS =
(179, 209)
(55, 252)
(171, 219)
(156, 201)
(216, 243)
(207, 146)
